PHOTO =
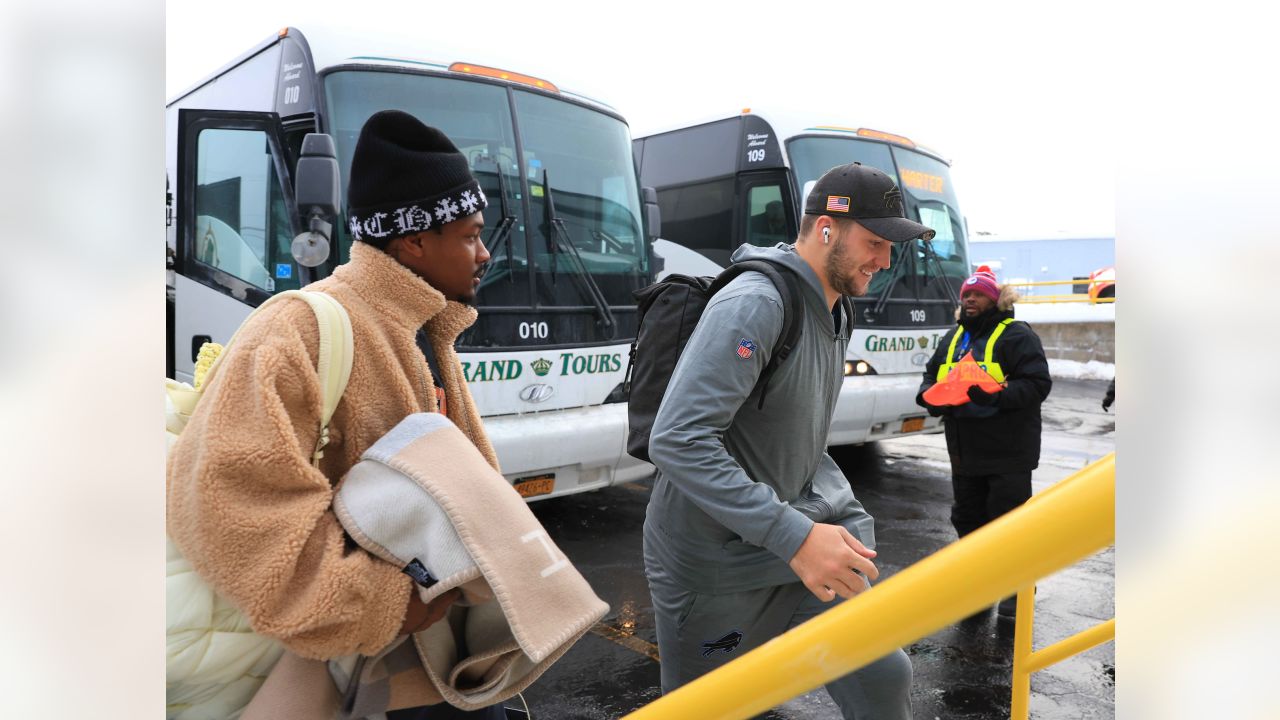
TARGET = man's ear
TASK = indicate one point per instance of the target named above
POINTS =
(412, 245)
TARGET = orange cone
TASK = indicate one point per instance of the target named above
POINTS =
(955, 389)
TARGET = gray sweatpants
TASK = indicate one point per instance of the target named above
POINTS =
(698, 633)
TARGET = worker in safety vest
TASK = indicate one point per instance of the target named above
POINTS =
(993, 438)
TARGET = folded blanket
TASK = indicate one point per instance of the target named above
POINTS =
(423, 497)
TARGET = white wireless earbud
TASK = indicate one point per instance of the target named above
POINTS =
(826, 236)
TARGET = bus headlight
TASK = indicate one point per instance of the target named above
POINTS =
(858, 367)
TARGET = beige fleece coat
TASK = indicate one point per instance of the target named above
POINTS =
(245, 505)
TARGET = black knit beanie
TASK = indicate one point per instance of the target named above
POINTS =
(406, 177)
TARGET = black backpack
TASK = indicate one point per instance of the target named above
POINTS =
(668, 311)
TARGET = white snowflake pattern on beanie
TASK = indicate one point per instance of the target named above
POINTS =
(446, 210)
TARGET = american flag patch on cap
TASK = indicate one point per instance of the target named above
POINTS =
(745, 348)
(838, 203)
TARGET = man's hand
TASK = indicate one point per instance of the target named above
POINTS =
(419, 616)
(939, 410)
(982, 397)
(827, 559)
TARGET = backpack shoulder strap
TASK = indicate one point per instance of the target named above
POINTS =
(847, 303)
(336, 348)
(334, 361)
(335, 353)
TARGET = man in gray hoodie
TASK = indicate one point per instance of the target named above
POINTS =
(752, 528)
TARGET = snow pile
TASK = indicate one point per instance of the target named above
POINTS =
(1075, 312)
(1074, 370)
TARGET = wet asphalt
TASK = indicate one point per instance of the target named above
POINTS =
(962, 671)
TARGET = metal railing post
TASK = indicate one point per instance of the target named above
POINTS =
(1023, 625)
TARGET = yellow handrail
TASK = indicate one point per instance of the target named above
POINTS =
(1064, 297)
(1012, 552)
(1036, 283)
(1033, 299)
(1073, 645)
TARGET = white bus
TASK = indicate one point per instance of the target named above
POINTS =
(565, 225)
(742, 179)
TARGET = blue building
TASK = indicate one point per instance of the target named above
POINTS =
(1029, 259)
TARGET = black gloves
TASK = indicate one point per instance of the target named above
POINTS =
(938, 410)
(1110, 398)
(982, 397)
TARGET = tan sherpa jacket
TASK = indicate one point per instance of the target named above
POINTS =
(244, 503)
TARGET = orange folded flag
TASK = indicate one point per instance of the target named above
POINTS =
(955, 389)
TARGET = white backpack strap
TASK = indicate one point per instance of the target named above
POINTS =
(218, 360)
(336, 352)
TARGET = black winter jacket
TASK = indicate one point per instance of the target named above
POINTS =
(983, 442)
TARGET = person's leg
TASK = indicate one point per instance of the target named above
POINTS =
(879, 691)
(1007, 491)
(969, 511)
(698, 633)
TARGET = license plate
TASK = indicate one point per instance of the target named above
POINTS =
(531, 487)
(915, 424)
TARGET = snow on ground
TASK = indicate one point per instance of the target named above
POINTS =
(1073, 370)
(1065, 312)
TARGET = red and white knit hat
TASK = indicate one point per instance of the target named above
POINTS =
(984, 281)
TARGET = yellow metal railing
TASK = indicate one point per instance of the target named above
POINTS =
(1063, 298)
(1075, 519)
(1025, 661)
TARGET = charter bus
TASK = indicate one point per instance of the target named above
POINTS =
(743, 179)
(565, 225)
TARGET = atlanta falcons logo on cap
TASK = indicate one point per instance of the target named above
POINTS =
(893, 199)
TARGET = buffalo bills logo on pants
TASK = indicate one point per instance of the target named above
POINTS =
(726, 643)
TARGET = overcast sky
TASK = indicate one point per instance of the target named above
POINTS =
(1020, 100)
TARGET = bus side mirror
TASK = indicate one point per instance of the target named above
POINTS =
(804, 192)
(316, 191)
(652, 215)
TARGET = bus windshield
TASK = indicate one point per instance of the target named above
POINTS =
(584, 154)
(927, 271)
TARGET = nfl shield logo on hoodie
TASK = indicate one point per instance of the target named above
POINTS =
(746, 348)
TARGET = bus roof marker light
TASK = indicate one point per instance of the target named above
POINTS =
(506, 75)
(887, 137)
(284, 31)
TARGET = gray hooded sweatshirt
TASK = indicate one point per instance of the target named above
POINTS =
(738, 487)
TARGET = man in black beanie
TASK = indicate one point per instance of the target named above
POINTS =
(249, 499)
(412, 195)
(408, 179)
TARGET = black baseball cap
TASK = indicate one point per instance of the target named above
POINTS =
(863, 193)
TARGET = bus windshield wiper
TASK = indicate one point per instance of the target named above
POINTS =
(888, 287)
(933, 263)
(555, 226)
(502, 233)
